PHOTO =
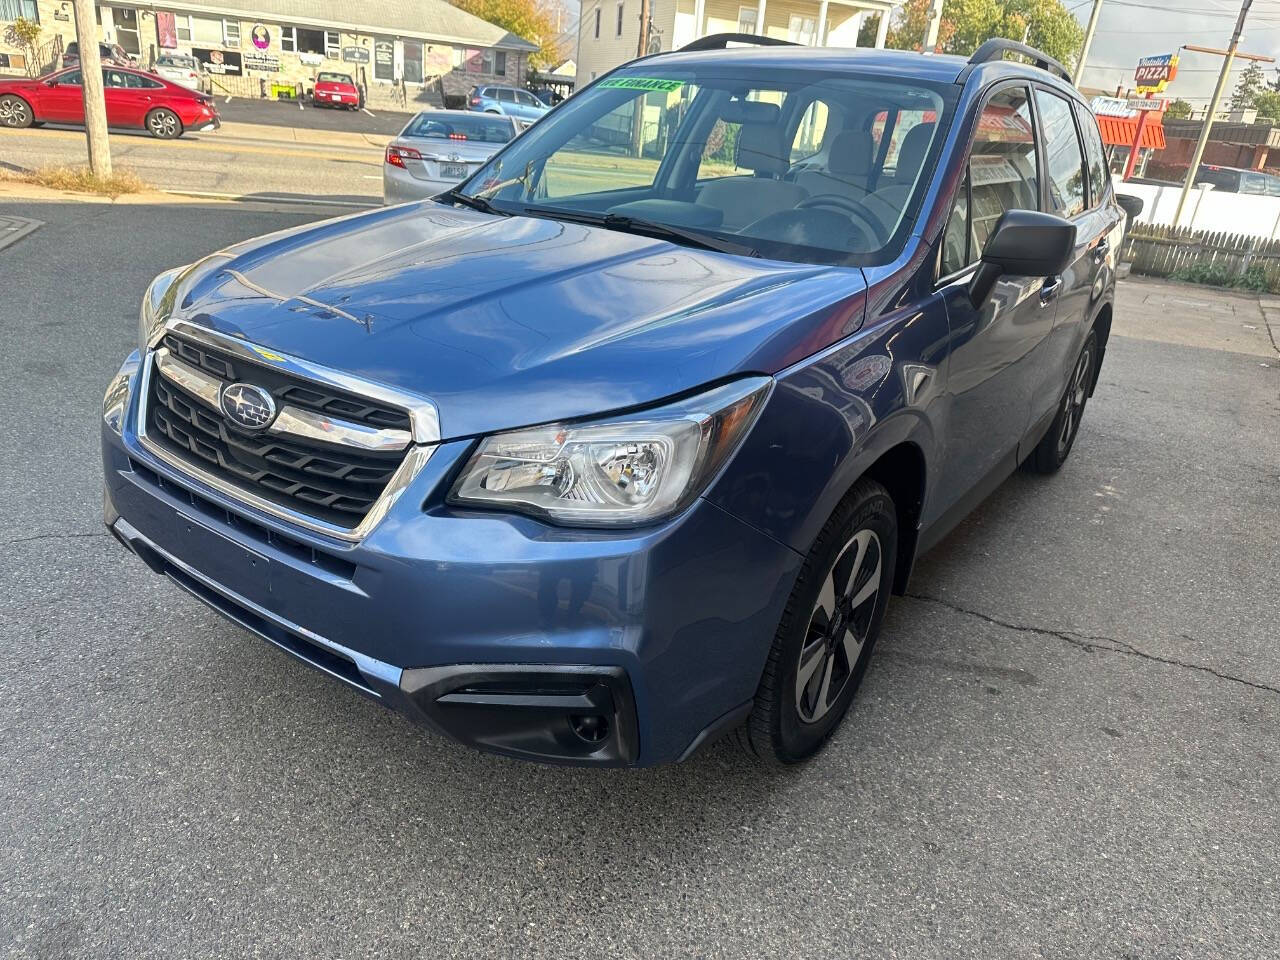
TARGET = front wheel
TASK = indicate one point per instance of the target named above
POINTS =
(1055, 446)
(823, 644)
(15, 112)
(164, 124)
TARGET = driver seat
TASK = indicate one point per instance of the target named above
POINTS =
(849, 162)
(746, 199)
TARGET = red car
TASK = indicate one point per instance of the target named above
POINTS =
(134, 99)
(336, 90)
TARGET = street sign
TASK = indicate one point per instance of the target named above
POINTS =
(1158, 104)
(1155, 73)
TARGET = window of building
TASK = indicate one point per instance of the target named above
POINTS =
(332, 45)
(800, 29)
(231, 33)
(619, 24)
(500, 62)
(13, 9)
(746, 19)
(1002, 176)
(597, 23)
(1062, 154)
(185, 29)
(289, 39)
(412, 60)
(310, 41)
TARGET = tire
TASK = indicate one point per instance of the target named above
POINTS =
(793, 714)
(163, 124)
(15, 112)
(1055, 446)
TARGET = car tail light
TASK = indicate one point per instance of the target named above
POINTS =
(457, 136)
(396, 156)
(475, 101)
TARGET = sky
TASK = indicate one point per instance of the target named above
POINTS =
(1130, 29)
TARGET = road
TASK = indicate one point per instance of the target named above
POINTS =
(284, 114)
(215, 163)
(1065, 746)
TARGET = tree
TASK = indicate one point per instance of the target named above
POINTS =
(1250, 84)
(1267, 103)
(533, 20)
(1046, 24)
(1178, 110)
(25, 35)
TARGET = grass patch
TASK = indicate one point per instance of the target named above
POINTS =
(79, 180)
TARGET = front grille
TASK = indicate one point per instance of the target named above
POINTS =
(337, 485)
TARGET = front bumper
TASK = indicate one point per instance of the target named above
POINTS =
(571, 646)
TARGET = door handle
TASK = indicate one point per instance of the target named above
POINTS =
(1101, 250)
(1050, 290)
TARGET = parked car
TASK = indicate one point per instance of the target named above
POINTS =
(337, 90)
(180, 69)
(592, 459)
(1238, 180)
(134, 99)
(510, 101)
(109, 53)
(437, 149)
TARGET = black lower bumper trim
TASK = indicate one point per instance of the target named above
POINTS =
(552, 713)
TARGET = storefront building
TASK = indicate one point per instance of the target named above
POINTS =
(254, 47)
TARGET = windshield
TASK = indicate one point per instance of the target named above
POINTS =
(811, 166)
(479, 129)
(333, 78)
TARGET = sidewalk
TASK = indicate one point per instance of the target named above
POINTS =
(1188, 314)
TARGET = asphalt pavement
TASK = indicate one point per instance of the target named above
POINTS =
(1065, 746)
(285, 114)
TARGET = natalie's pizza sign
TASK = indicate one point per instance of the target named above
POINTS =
(1155, 73)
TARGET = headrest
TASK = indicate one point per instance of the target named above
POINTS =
(851, 154)
(911, 154)
(751, 112)
(760, 149)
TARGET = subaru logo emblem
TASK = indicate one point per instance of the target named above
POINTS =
(247, 406)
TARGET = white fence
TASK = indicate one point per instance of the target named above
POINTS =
(1207, 209)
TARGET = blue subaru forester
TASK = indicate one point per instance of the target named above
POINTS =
(624, 443)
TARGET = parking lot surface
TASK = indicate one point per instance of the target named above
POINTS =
(1065, 746)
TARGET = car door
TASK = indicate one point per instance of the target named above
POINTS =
(62, 101)
(122, 106)
(1066, 182)
(994, 365)
(506, 101)
(528, 107)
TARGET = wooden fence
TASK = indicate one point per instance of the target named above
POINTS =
(1159, 250)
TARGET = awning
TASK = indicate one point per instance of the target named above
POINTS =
(1120, 131)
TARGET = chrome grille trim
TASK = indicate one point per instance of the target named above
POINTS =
(290, 421)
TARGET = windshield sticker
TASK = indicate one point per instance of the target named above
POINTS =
(643, 83)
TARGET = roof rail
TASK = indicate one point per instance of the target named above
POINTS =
(996, 49)
(719, 41)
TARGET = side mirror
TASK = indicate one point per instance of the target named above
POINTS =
(1025, 243)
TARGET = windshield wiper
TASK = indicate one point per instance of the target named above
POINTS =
(475, 203)
(647, 228)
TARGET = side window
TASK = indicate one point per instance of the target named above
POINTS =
(810, 132)
(506, 96)
(1099, 175)
(1002, 176)
(114, 78)
(71, 79)
(1273, 185)
(1062, 153)
(1253, 183)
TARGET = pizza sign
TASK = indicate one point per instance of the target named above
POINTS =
(1155, 73)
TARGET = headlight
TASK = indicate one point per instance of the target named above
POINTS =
(157, 304)
(624, 471)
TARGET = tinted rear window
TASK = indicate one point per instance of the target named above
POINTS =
(477, 129)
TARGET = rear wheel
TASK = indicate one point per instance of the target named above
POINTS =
(164, 123)
(15, 112)
(823, 644)
(1055, 446)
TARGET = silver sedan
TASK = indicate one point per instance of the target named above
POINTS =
(438, 149)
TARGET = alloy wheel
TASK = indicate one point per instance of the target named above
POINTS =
(13, 112)
(838, 626)
(1073, 402)
(163, 124)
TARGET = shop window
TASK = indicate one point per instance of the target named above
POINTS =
(310, 41)
(412, 61)
(289, 39)
(231, 33)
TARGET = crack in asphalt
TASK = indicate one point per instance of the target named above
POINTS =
(57, 536)
(1091, 642)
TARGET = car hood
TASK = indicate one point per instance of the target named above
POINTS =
(511, 321)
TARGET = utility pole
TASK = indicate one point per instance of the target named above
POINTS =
(1089, 31)
(642, 46)
(931, 30)
(1228, 57)
(95, 104)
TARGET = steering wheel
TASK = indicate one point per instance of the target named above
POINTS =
(837, 202)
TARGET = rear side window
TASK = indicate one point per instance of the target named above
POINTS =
(1062, 153)
(1254, 183)
(506, 96)
(1099, 175)
(1002, 175)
